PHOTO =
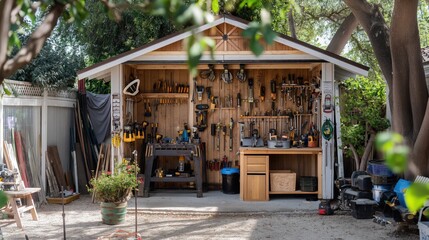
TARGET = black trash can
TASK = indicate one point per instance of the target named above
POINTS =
(230, 180)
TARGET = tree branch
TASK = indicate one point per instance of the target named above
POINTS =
(291, 23)
(372, 21)
(343, 34)
(34, 43)
(367, 152)
(355, 156)
(5, 11)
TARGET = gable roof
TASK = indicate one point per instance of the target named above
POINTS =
(319, 53)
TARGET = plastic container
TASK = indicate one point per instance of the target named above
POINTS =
(230, 180)
(378, 168)
(308, 183)
(378, 190)
(423, 226)
(400, 189)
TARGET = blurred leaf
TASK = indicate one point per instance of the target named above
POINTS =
(215, 6)
(416, 196)
(385, 141)
(396, 158)
(3, 199)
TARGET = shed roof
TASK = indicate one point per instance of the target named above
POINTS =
(318, 53)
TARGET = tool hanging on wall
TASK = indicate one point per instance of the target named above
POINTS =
(226, 75)
(129, 108)
(140, 130)
(262, 93)
(250, 98)
(273, 86)
(129, 135)
(209, 92)
(231, 125)
(241, 74)
(218, 130)
(213, 133)
(132, 88)
(224, 137)
(200, 91)
(201, 115)
(208, 74)
(238, 100)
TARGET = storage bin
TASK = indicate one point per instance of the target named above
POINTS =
(230, 180)
(282, 181)
(400, 188)
(308, 183)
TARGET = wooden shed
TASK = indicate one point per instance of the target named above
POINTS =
(285, 96)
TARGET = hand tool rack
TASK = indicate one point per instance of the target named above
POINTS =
(189, 151)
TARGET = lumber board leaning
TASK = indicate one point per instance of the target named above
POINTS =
(97, 170)
(21, 160)
(57, 167)
(54, 191)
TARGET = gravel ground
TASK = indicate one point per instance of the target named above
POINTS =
(83, 221)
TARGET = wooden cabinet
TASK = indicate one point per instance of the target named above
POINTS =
(257, 163)
(254, 178)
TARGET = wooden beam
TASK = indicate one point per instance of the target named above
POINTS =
(230, 66)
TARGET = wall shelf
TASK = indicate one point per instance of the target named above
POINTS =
(264, 117)
(164, 95)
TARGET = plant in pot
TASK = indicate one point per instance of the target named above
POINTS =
(113, 190)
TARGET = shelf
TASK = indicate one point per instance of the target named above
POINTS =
(172, 179)
(225, 108)
(294, 192)
(164, 95)
(264, 117)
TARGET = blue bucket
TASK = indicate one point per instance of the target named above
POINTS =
(400, 188)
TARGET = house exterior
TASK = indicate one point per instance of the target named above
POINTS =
(288, 90)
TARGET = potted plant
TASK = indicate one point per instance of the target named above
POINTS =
(113, 190)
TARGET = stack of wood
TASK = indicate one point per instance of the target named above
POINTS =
(85, 146)
(104, 163)
(18, 154)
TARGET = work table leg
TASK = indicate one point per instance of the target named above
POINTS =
(198, 176)
(15, 211)
(147, 175)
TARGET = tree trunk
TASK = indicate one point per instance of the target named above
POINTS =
(372, 21)
(291, 23)
(367, 153)
(343, 34)
(34, 43)
(5, 10)
(410, 95)
(355, 156)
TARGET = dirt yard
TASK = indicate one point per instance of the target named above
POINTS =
(83, 221)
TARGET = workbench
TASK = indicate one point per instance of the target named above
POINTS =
(15, 196)
(257, 162)
(190, 151)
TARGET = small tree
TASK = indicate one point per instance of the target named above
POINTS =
(362, 117)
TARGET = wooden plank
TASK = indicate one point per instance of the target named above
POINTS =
(6, 156)
(66, 200)
(21, 160)
(54, 159)
(54, 190)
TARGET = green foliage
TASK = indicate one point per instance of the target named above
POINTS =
(97, 86)
(3, 199)
(396, 154)
(115, 187)
(363, 110)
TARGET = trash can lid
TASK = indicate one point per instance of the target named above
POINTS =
(229, 171)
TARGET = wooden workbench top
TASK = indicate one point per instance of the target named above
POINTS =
(265, 150)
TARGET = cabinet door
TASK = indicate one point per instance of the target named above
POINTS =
(256, 187)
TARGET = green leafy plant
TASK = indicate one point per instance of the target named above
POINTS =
(363, 116)
(115, 187)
